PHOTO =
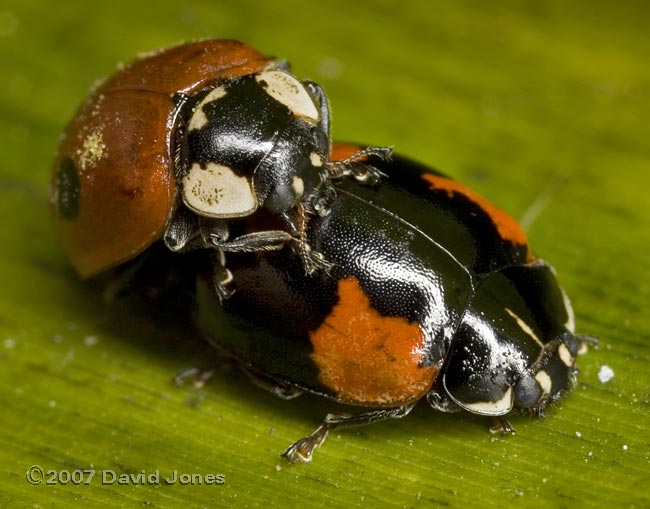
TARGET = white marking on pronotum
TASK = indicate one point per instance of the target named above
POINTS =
(565, 355)
(499, 407)
(217, 191)
(287, 90)
(544, 381)
(316, 159)
(199, 119)
(524, 327)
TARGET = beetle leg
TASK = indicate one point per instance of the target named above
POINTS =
(180, 231)
(221, 277)
(302, 450)
(500, 424)
(187, 231)
(584, 342)
(269, 240)
(358, 165)
(281, 389)
(297, 219)
(279, 65)
(439, 400)
(273, 240)
(198, 376)
(312, 260)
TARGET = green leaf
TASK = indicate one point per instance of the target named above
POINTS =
(542, 107)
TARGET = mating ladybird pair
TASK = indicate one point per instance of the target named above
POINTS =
(333, 269)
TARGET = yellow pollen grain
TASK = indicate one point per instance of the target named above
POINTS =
(92, 150)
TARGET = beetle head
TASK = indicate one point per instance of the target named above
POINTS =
(292, 170)
(515, 346)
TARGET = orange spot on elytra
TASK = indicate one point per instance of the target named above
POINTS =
(506, 225)
(367, 358)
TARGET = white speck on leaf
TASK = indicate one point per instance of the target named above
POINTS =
(605, 374)
(91, 340)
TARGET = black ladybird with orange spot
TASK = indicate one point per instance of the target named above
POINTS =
(432, 293)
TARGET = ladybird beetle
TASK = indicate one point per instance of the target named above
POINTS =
(433, 292)
(183, 142)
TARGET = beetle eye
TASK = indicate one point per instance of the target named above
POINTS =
(527, 392)
(572, 342)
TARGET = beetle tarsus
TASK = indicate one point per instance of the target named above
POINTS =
(223, 282)
(302, 450)
(270, 240)
(359, 167)
(313, 261)
(281, 389)
(500, 424)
